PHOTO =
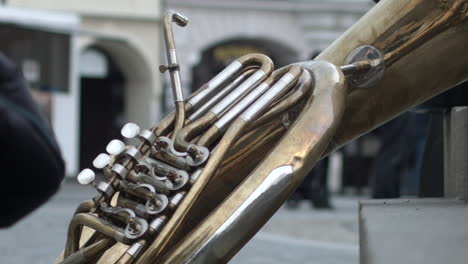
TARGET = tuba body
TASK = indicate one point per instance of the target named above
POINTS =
(206, 178)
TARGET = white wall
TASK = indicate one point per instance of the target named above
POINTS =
(121, 8)
(65, 114)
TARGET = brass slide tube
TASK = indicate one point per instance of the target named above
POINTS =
(210, 88)
(188, 132)
(303, 88)
(218, 96)
(284, 77)
(91, 221)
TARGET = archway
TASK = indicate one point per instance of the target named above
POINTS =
(217, 56)
(121, 93)
(102, 103)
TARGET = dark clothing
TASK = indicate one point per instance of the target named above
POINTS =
(31, 164)
(396, 156)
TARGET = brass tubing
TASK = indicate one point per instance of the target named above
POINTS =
(173, 66)
(256, 59)
(89, 252)
(138, 208)
(215, 131)
(84, 207)
(175, 161)
(179, 119)
(250, 205)
(304, 87)
(418, 39)
(164, 126)
(159, 186)
(178, 218)
(221, 94)
(270, 96)
(93, 222)
(187, 133)
(132, 253)
(125, 259)
(181, 142)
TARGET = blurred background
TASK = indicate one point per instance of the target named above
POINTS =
(93, 66)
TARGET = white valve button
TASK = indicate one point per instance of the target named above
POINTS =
(130, 130)
(115, 147)
(101, 161)
(86, 176)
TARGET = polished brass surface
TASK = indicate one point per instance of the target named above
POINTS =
(421, 41)
(265, 151)
(300, 147)
(88, 253)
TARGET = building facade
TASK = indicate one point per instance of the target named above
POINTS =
(113, 78)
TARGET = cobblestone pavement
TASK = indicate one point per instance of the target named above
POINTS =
(291, 236)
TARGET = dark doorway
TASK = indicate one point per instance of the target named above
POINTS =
(102, 106)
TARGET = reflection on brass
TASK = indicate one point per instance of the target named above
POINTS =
(248, 149)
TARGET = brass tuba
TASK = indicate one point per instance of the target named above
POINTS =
(206, 178)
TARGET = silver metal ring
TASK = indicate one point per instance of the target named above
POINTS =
(120, 170)
(105, 188)
(157, 223)
(176, 199)
(133, 153)
(135, 249)
(147, 136)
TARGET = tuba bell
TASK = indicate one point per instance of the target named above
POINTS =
(207, 177)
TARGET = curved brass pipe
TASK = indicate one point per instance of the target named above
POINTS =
(89, 252)
(179, 118)
(84, 207)
(304, 87)
(221, 94)
(242, 65)
(187, 133)
(93, 222)
(194, 128)
(215, 131)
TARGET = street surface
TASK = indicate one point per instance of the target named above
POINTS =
(291, 236)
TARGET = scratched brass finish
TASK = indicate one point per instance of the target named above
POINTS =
(279, 123)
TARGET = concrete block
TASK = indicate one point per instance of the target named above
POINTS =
(413, 231)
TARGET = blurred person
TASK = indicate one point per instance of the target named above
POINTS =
(32, 167)
(396, 159)
(438, 110)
